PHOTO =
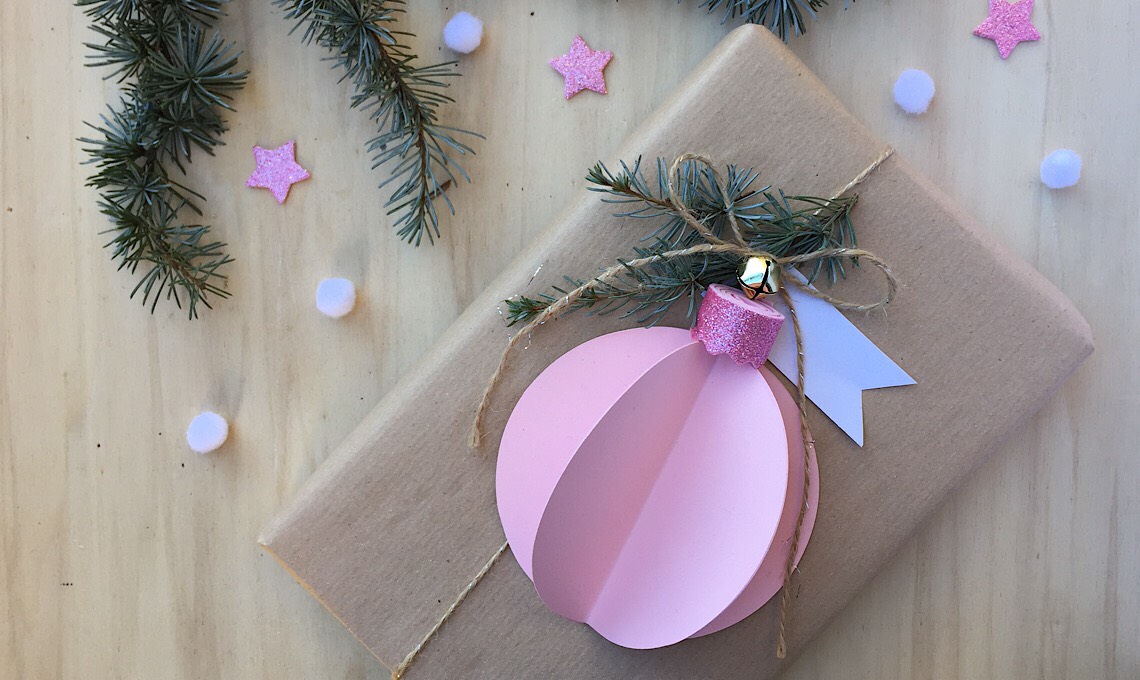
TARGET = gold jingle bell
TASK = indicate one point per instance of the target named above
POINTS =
(759, 277)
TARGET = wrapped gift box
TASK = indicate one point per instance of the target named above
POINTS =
(402, 516)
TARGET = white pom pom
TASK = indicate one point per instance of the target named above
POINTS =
(207, 432)
(914, 90)
(1061, 169)
(336, 297)
(463, 33)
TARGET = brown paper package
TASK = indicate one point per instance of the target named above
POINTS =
(402, 516)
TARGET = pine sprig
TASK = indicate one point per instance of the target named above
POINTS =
(177, 83)
(770, 221)
(785, 18)
(402, 98)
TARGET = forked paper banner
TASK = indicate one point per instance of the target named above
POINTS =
(650, 489)
(839, 361)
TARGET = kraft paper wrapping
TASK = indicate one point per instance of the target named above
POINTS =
(402, 516)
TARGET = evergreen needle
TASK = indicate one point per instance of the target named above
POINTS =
(770, 221)
(403, 99)
(177, 81)
(785, 18)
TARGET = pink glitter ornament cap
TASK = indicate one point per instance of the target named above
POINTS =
(729, 323)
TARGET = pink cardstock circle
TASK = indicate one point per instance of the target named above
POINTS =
(650, 489)
(769, 578)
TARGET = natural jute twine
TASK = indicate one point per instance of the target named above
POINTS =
(398, 671)
(714, 244)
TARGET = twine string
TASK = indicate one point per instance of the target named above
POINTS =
(809, 450)
(683, 209)
(398, 672)
(740, 247)
(867, 172)
(801, 402)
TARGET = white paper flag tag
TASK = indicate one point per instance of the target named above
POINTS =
(839, 361)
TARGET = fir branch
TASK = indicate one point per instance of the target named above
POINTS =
(770, 221)
(178, 81)
(785, 18)
(647, 292)
(403, 99)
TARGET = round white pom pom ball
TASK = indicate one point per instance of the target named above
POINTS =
(207, 432)
(914, 91)
(463, 33)
(336, 297)
(1061, 169)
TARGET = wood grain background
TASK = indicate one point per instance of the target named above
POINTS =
(124, 555)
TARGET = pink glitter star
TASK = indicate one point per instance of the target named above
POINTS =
(581, 68)
(277, 170)
(1008, 25)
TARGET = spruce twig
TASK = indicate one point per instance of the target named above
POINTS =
(785, 18)
(403, 100)
(177, 83)
(770, 221)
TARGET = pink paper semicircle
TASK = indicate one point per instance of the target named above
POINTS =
(658, 512)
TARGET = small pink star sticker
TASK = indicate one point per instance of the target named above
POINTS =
(277, 170)
(1008, 25)
(582, 67)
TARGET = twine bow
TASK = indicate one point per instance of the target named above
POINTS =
(736, 245)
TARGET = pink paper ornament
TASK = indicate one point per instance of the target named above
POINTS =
(651, 489)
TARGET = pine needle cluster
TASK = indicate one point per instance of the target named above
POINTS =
(403, 99)
(785, 18)
(177, 80)
(770, 221)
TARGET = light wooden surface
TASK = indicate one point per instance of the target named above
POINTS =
(125, 555)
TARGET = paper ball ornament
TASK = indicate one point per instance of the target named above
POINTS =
(463, 33)
(914, 90)
(650, 489)
(207, 432)
(336, 297)
(1061, 169)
